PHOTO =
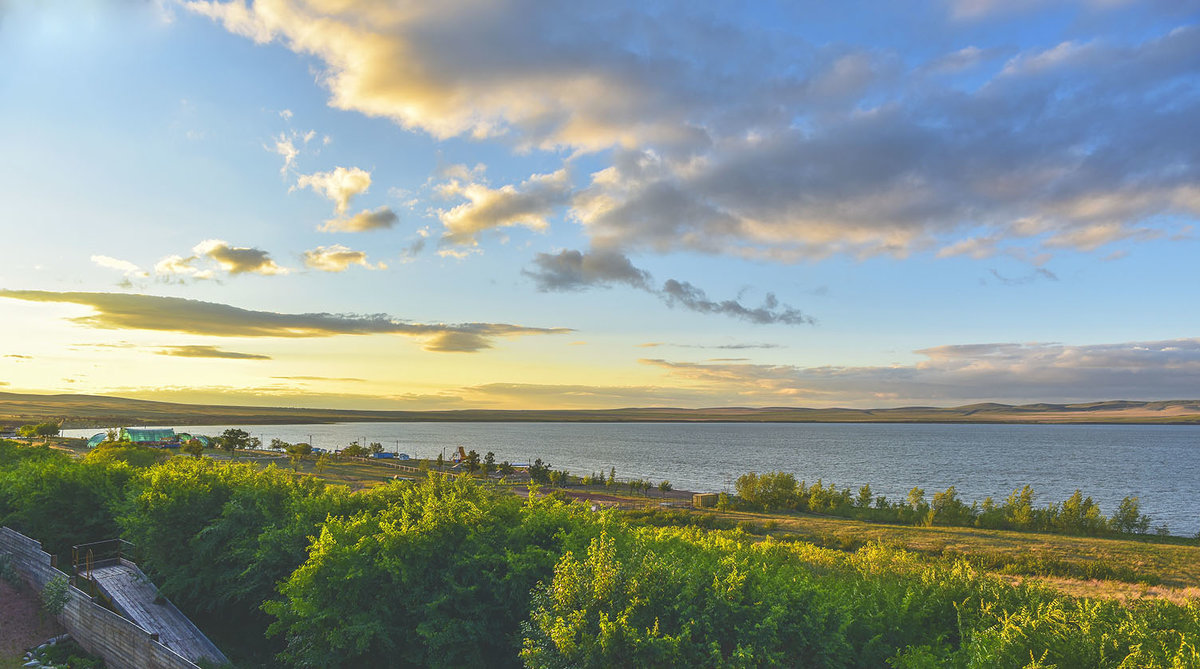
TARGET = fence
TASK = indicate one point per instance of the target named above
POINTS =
(121, 643)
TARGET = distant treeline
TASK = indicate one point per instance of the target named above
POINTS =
(779, 491)
(284, 570)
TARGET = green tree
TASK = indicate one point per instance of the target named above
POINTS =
(948, 509)
(664, 487)
(216, 537)
(233, 439)
(489, 464)
(297, 452)
(1018, 509)
(193, 447)
(1128, 518)
(1079, 515)
(375, 448)
(472, 462)
(355, 450)
(864, 497)
(769, 491)
(439, 577)
(321, 464)
(46, 429)
(539, 472)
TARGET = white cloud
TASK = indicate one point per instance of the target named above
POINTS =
(285, 144)
(530, 204)
(337, 258)
(338, 186)
(178, 268)
(130, 270)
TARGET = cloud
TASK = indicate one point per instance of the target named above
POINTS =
(379, 219)
(130, 270)
(574, 270)
(576, 396)
(221, 256)
(208, 352)
(410, 252)
(529, 204)
(178, 268)
(285, 144)
(285, 147)
(337, 258)
(124, 311)
(338, 186)
(1001, 372)
(348, 379)
(684, 294)
(16, 356)
(1035, 275)
(717, 136)
(238, 259)
(724, 347)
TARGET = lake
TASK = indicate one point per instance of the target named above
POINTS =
(1159, 464)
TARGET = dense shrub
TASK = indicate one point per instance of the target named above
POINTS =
(62, 502)
(446, 572)
(439, 577)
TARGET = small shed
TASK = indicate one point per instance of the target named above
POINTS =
(148, 436)
(702, 500)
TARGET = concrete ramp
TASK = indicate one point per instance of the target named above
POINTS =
(134, 596)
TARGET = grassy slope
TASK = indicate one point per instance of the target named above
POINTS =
(99, 411)
(1174, 563)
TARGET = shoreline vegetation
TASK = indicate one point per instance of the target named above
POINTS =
(87, 411)
(283, 566)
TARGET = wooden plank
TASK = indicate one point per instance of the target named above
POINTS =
(134, 596)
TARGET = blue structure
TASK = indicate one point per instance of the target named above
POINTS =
(96, 439)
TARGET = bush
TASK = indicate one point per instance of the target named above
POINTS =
(55, 595)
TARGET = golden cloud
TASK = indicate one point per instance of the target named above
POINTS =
(127, 311)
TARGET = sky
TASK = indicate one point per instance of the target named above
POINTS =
(527, 205)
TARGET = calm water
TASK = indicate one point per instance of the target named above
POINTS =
(1160, 464)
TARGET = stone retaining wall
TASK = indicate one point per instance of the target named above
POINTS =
(121, 643)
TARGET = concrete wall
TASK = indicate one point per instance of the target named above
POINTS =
(121, 643)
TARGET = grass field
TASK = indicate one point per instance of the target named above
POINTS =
(1130, 566)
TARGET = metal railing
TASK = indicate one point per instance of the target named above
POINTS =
(86, 557)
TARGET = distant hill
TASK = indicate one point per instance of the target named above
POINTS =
(102, 411)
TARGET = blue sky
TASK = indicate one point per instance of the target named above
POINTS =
(526, 204)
